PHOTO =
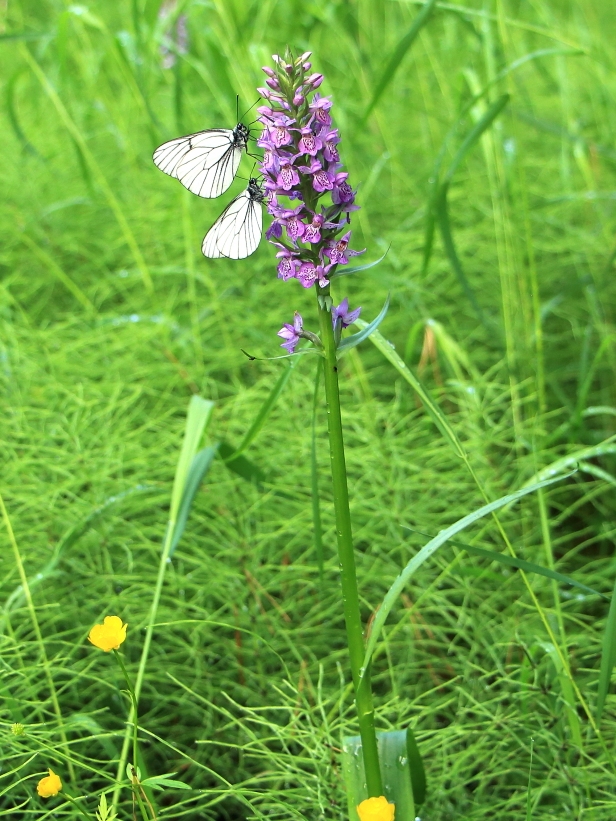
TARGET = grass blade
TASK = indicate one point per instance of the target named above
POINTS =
(199, 413)
(431, 547)
(197, 419)
(474, 134)
(444, 225)
(608, 656)
(519, 564)
(198, 468)
(398, 55)
(435, 413)
(266, 409)
(440, 207)
(111, 198)
(571, 461)
(240, 464)
(416, 767)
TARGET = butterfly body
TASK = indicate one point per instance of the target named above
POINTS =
(206, 162)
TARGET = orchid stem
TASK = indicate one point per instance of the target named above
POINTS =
(344, 535)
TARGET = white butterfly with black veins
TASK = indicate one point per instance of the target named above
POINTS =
(237, 231)
(206, 162)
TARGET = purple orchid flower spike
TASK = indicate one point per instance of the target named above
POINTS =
(291, 333)
(297, 128)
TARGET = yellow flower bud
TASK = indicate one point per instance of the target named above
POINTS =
(376, 809)
(50, 785)
(109, 635)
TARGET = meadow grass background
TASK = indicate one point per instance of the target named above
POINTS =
(111, 319)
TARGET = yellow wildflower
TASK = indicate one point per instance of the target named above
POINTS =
(376, 809)
(109, 635)
(50, 785)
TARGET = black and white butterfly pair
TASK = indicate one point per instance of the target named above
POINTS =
(206, 164)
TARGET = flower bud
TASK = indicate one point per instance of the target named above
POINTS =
(298, 99)
(269, 71)
(315, 80)
(307, 66)
(289, 68)
(272, 82)
(265, 93)
(276, 59)
(304, 56)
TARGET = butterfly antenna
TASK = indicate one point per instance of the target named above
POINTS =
(248, 109)
(237, 108)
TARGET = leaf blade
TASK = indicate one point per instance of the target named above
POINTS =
(431, 547)
(398, 54)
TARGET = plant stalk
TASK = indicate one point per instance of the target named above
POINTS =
(344, 536)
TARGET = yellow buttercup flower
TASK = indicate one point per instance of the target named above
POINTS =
(50, 785)
(109, 635)
(376, 809)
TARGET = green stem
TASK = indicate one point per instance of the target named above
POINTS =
(75, 804)
(144, 655)
(133, 698)
(53, 694)
(344, 534)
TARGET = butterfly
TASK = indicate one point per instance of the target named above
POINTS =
(206, 162)
(237, 231)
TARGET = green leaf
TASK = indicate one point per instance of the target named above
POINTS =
(444, 225)
(240, 464)
(567, 694)
(399, 782)
(519, 564)
(398, 55)
(571, 461)
(474, 134)
(608, 655)
(435, 413)
(437, 208)
(418, 773)
(343, 272)
(159, 782)
(351, 341)
(440, 205)
(199, 413)
(265, 409)
(198, 468)
(431, 547)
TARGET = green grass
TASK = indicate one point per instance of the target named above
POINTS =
(110, 319)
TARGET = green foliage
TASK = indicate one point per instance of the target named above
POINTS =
(111, 320)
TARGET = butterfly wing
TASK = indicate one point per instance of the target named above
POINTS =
(237, 231)
(205, 163)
